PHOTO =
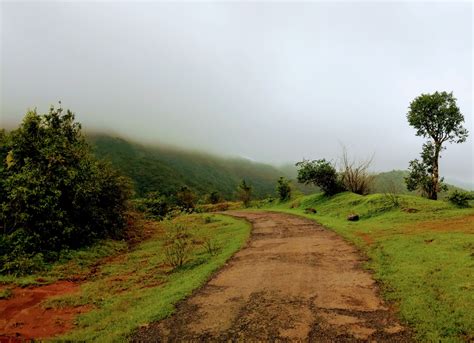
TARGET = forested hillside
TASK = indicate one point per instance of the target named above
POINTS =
(162, 169)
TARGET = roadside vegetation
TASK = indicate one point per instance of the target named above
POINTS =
(421, 252)
(143, 285)
(54, 194)
(136, 286)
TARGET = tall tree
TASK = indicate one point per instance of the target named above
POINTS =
(244, 192)
(54, 193)
(436, 117)
(283, 188)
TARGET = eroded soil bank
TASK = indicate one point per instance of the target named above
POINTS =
(23, 317)
(294, 281)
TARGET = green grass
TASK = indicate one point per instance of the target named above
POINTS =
(421, 252)
(73, 264)
(138, 287)
(5, 293)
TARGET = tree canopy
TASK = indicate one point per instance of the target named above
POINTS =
(437, 118)
(320, 173)
(54, 193)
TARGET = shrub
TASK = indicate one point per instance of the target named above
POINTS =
(178, 246)
(355, 175)
(185, 199)
(18, 265)
(244, 193)
(321, 173)
(155, 205)
(460, 199)
(210, 246)
(283, 188)
(214, 197)
(53, 193)
(223, 206)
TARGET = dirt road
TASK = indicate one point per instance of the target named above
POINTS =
(294, 281)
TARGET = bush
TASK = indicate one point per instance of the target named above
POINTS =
(178, 246)
(321, 173)
(214, 197)
(18, 265)
(154, 205)
(244, 193)
(355, 176)
(54, 194)
(185, 199)
(211, 247)
(283, 189)
(460, 199)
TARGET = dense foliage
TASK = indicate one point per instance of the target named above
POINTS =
(213, 197)
(186, 199)
(460, 199)
(320, 173)
(436, 117)
(283, 188)
(166, 170)
(54, 194)
(154, 205)
(244, 193)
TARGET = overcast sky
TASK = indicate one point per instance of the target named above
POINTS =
(274, 82)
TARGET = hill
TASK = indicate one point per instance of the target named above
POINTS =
(164, 169)
(394, 182)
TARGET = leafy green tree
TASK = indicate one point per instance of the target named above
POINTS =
(186, 198)
(214, 197)
(320, 173)
(283, 188)
(54, 193)
(156, 205)
(244, 193)
(436, 117)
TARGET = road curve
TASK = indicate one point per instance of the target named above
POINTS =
(294, 281)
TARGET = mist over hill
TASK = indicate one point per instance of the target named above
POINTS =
(165, 169)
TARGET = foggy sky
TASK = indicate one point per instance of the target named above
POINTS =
(274, 82)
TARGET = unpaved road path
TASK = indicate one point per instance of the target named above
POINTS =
(294, 281)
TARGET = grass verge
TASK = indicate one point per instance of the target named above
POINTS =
(140, 287)
(421, 251)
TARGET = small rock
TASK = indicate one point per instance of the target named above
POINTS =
(310, 210)
(353, 217)
(410, 210)
(394, 329)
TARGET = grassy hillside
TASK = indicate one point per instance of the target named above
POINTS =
(163, 169)
(394, 182)
(420, 250)
(166, 169)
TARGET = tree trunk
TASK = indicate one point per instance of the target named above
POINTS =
(435, 189)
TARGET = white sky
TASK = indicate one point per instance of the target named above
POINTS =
(275, 82)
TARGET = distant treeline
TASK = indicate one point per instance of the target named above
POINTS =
(166, 170)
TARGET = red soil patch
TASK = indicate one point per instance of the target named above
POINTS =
(22, 317)
(367, 238)
(463, 224)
